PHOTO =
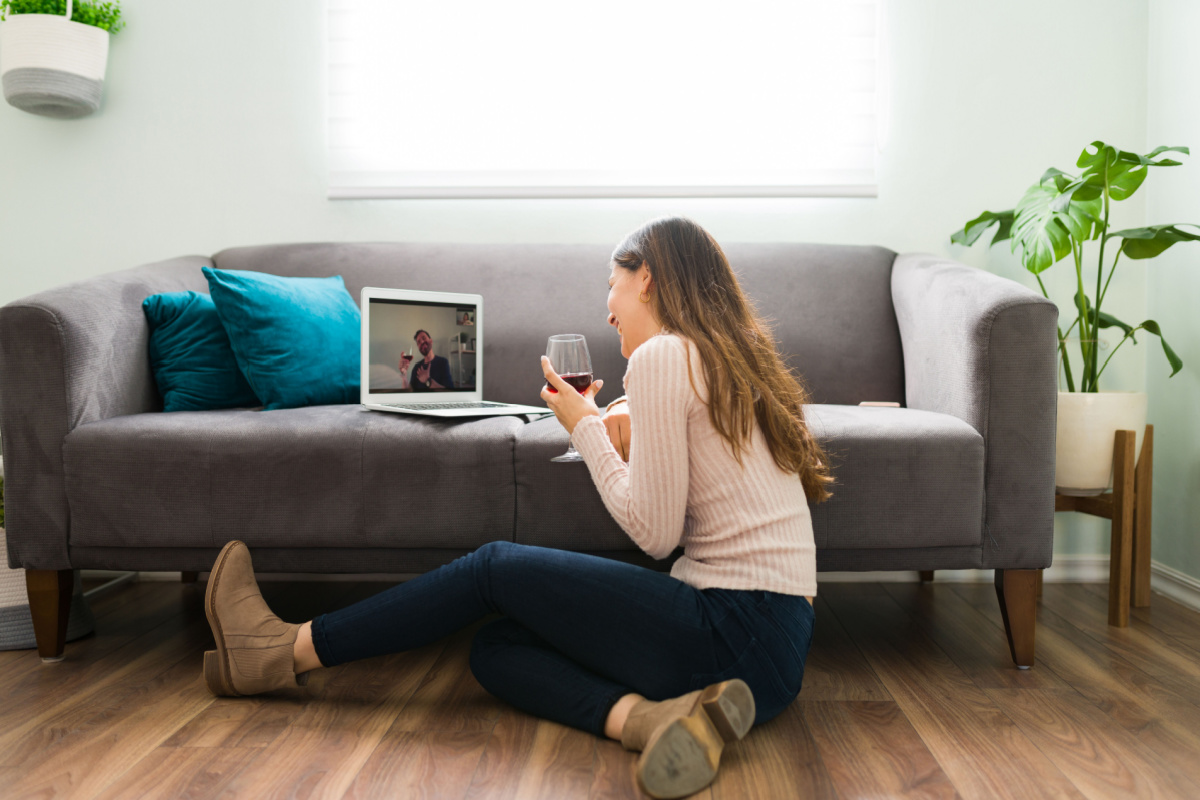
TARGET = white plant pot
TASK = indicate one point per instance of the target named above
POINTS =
(1087, 427)
(52, 66)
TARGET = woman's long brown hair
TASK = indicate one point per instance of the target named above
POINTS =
(696, 295)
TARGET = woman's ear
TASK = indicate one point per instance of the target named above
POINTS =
(647, 279)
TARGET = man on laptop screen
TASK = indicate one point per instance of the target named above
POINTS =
(418, 345)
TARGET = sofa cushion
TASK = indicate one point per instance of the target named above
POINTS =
(325, 476)
(190, 355)
(905, 479)
(296, 339)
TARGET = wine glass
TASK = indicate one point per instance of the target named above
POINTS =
(568, 354)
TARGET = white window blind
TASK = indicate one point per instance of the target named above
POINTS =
(551, 98)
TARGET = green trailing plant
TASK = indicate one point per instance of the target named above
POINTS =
(1057, 215)
(105, 15)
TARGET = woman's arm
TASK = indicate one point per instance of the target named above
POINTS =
(647, 496)
(616, 422)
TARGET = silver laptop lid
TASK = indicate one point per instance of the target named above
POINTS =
(442, 334)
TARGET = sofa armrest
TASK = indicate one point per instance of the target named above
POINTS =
(69, 356)
(982, 348)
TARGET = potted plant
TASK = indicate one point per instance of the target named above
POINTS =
(1052, 221)
(54, 53)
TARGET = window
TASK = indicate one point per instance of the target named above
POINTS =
(529, 98)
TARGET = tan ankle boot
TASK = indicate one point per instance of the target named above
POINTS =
(682, 739)
(254, 647)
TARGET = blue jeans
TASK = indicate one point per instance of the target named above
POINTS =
(578, 632)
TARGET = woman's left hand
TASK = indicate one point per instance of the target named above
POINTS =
(568, 405)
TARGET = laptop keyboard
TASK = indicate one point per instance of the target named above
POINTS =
(440, 406)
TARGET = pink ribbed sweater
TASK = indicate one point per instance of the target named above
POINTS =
(741, 527)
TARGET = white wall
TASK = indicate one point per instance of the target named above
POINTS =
(212, 135)
(1173, 287)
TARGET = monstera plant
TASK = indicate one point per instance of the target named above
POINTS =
(1052, 221)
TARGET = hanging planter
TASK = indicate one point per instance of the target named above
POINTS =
(53, 63)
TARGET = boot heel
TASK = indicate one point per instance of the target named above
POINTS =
(212, 675)
(730, 707)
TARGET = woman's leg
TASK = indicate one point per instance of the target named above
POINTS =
(634, 626)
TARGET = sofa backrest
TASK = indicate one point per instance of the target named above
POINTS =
(830, 305)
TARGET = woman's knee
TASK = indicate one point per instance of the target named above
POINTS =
(492, 638)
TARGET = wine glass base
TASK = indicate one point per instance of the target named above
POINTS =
(567, 457)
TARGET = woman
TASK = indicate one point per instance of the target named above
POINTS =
(677, 665)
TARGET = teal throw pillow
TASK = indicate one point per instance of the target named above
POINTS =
(295, 339)
(190, 356)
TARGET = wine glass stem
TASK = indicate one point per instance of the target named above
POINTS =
(571, 451)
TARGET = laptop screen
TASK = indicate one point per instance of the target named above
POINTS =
(421, 346)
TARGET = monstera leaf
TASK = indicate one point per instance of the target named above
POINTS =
(1061, 212)
(1119, 171)
(1045, 234)
(1151, 241)
(973, 229)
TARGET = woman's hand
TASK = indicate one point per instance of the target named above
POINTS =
(568, 405)
(616, 420)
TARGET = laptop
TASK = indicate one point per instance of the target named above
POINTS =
(422, 353)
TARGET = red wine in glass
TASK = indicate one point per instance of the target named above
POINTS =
(569, 357)
(579, 381)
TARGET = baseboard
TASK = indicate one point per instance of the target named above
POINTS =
(1179, 586)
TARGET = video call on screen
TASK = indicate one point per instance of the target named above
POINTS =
(421, 347)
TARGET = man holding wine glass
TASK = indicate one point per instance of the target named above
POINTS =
(676, 666)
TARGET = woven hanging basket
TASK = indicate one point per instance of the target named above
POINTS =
(52, 66)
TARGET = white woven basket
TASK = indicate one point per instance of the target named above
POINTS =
(52, 66)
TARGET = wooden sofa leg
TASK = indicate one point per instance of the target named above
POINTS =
(189, 577)
(1016, 589)
(50, 604)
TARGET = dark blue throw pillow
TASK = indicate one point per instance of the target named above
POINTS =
(295, 339)
(190, 356)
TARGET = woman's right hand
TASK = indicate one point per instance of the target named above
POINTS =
(616, 421)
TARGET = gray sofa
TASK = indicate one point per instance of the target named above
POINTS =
(961, 476)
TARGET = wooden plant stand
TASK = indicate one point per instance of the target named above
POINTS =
(1128, 506)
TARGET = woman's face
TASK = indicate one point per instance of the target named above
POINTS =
(633, 319)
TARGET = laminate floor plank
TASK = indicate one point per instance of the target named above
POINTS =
(906, 694)
(1134, 701)
(1149, 649)
(199, 773)
(321, 752)
(776, 759)
(982, 751)
(1101, 758)
(97, 744)
(1164, 614)
(616, 773)
(871, 750)
(92, 657)
(968, 637)
(531, 759)
(449, 698)
(436, 764)
(40, 730)
(836, 669)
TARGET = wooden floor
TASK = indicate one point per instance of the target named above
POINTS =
(909, 692)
